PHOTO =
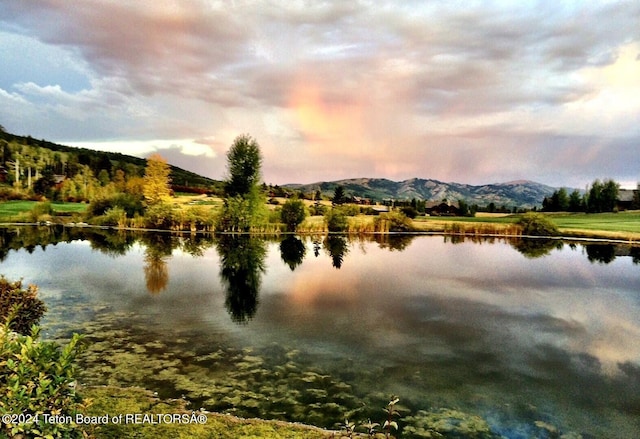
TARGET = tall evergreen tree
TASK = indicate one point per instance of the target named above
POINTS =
(338, 195)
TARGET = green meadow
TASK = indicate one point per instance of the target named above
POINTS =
(16, 210)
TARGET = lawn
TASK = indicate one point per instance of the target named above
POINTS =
(12, 210)
(610, 222)
(622, 225)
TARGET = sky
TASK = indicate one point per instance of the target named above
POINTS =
(473, 92)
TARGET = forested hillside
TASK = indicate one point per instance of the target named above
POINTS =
(65, 173)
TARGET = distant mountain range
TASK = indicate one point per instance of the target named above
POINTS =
(521, 193)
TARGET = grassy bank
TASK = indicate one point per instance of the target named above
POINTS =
(619, 226)
(114, 401)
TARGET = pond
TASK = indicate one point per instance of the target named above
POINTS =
(480, 338)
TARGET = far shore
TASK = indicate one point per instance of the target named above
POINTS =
(483, 225)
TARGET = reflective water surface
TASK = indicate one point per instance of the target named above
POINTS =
(495, 338)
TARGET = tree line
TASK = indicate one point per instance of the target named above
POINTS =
(600, 196)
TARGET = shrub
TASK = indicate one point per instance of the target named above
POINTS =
(392, 222)
(318, 209)
(116, 216)
(40, 210)
(535, 224)
(24, 305)
(131, 204)
(335, 220)
(159, 216)
(409, 211)
(37, 379)
(292, 214)
(198, 218)
(350, 209)
(8, 194)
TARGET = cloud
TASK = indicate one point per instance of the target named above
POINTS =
(341, 89)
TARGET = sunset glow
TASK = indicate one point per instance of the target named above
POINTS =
(486, 93)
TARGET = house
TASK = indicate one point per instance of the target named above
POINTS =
(58, 180)
(442, 208)
(628, 198)
(378, 209)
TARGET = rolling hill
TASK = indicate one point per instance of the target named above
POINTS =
(521, 193)
(179, 177)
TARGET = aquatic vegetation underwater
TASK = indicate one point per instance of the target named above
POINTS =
(273, 382)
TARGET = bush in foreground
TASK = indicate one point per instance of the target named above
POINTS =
(38, 382)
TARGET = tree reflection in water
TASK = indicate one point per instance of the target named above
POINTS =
(159, 248)
(337, 247)
(292, 251)
(241, 268)
(601, 253)
(536, 248)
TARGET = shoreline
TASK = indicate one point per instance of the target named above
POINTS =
(442, 228)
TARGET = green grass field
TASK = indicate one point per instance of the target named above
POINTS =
(610, 222)
(12, 210)
(624, 224)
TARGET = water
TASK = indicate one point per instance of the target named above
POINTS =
(483, 339)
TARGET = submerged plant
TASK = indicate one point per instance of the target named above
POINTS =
(371, 427)
(391, 412)
(349, 428)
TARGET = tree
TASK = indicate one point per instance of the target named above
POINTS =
(561, 200)
(244, 201)
(576, 202)
(292, 214)
(635, 204)
(603, 196)
(610, 191)
(244, 162)
(338, 195)
(156, 187)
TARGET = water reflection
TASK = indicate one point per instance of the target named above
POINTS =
(241, 268)
(337, 247)
(242, 257)
(158, 250)
(292, 251)
(536, 248)
(544, 341)
(603, 254)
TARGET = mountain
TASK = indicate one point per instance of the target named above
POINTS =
(521, 193)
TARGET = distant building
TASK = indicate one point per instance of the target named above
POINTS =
(627, 198)
(441, 208)
(378, 209)
(58, 180)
